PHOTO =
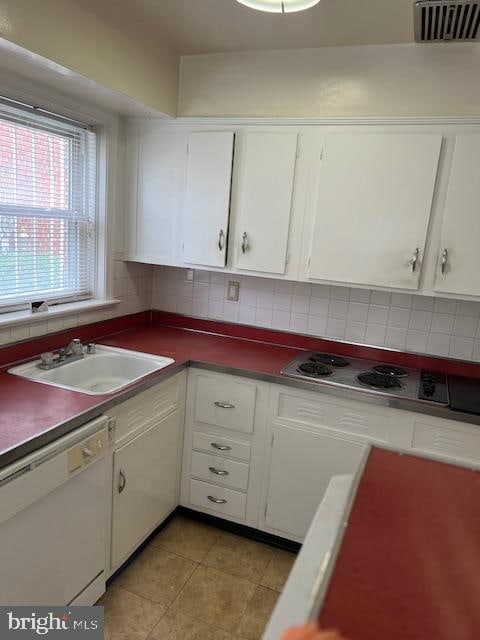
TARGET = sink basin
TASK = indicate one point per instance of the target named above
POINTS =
(106, 371)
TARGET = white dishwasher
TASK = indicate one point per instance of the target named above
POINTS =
(52, 522)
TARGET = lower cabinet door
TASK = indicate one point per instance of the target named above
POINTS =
(301, 465)
(145, 484)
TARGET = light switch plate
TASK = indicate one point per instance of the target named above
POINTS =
(233, 291)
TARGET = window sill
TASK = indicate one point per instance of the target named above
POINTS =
(58, 311)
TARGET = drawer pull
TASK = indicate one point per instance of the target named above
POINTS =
(218, 472)
(217, 500)
(224, 405)
(221, 447)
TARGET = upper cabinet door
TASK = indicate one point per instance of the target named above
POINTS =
(373, 210)
(207, 198)
(265, 201)
(156, 169)
(458, 268)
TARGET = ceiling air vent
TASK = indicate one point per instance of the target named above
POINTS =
(447, 20)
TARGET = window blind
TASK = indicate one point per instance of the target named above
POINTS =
(48, 209)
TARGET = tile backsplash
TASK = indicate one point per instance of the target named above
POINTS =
(132, 286)
(436, 326)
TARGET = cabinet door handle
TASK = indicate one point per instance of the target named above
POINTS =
(221, 447)
(122, 481)
(221, 242)
(224, 405)
(217, 500)
(244, 242)
(414, 260)
(219, 472)
(444, 261)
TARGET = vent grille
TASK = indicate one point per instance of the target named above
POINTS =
(446, 21)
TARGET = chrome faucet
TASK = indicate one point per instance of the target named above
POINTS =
(73, 348)
(53, 359)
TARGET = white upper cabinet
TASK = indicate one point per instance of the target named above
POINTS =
(264, 202)
(155, 177)
(458, 265)
(374, 200)
(207, 198)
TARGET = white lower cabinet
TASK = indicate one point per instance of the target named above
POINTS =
(254, 453)
(146, 465)
(302, 464)
(145, 484)
(224, 445)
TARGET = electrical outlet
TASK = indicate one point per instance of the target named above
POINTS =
(190, 275)
(233, 291)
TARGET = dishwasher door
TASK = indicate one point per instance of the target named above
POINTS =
(52, 522)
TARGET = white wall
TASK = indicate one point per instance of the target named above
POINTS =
(130, 283)
(420, 324)
(387, 80)
(97, 41)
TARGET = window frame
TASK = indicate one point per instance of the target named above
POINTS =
(109, 227)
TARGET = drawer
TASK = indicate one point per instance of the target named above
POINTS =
(230, 503)
(224, 447)
(225, 403)
(227, 473)
(448, 443)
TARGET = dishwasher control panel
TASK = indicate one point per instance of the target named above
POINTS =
(87, 451)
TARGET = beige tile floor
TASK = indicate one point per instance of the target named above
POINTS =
(195, 582)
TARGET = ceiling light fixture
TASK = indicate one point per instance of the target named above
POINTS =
(277, 6)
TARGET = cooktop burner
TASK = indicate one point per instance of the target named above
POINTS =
(330, 359)
(315, 369)
(390, 370)
(379, 380)
(365, 376)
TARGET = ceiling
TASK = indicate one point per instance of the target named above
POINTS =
(218, 26)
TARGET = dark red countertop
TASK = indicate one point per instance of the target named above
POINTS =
(29, 409)
(409, 564)
(33, 414)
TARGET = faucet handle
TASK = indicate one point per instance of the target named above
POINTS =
(46, 358)
(91, 348)
(77, 346)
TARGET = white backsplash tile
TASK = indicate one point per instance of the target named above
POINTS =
(132, 285)
(417, 340)
(298, 322)
(375, 334)
(445, 305)
(461, 347)
(355, 331)
(336, 328)
(465, 326)
(442, 323)
(437, 326)
(338, 309)
(317, 326)
(378, 315)
(319, 307)
(357, 312)
(420, 320)
(399, 317)
(439, 344)
(396, 337)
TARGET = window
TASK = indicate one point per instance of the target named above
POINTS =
(47, 209)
